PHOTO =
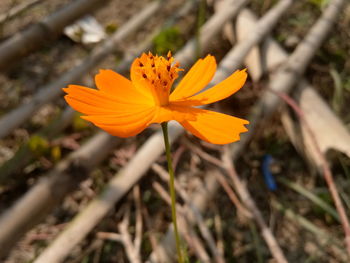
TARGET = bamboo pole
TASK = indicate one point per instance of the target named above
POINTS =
(48, 29)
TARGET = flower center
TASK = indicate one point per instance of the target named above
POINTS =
(159, 73)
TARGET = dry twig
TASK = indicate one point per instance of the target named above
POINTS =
(124, 238)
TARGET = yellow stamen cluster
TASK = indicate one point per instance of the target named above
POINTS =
(159, 73)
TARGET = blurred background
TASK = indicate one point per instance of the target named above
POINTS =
(72, 193)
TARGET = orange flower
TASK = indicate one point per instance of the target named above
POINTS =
(125, 108)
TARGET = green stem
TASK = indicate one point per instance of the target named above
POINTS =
(172, 190)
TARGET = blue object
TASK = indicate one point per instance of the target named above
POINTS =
(268, 177)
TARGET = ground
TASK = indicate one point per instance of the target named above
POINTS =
(295, 220)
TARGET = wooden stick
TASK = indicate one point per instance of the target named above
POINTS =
(49, 28)
(49, 92)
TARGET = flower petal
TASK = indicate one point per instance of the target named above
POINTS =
(91, 101)
(116, 85)
(125, 124)
(172, 112)
(220, 91)
(120, 118)
(196, 79)
(215, 127)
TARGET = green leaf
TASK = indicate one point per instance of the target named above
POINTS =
(169, 39)
(38, 144)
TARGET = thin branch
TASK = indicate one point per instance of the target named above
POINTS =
(138, 224)
(219, 234)
(151, 234)
(200, 199)
(131, 248)
(131, 251)
(327, 173)
(110, 236)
